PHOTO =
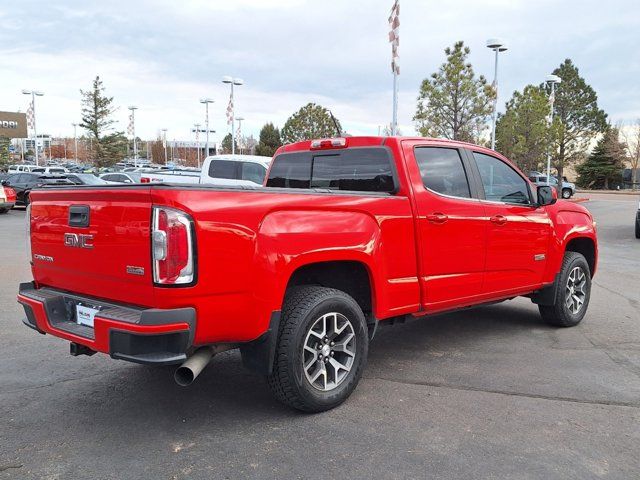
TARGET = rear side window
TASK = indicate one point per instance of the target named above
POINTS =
(224, 169)
(501, 183)
(442, 171)
(354, 169)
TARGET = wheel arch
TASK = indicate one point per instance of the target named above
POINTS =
(587, 248)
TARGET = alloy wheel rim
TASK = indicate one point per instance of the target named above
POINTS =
(575, 294)
(329, 351)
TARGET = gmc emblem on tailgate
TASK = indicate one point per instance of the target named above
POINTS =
(78, 240)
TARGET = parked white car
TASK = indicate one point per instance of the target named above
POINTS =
(49, 170)
(21, 168)
(247, 170)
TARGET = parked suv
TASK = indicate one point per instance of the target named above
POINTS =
(298, 274)
(23, 183)
(568, 189)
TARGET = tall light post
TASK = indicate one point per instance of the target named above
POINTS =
(34, 94)
(552, 81)
(497, 45)
(206, 102)
(239, 131)
(133, 109)
(232, 81)
(75, 142)
(197, 130)
(164, 144)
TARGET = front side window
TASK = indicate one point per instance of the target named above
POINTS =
(442, 171)
(227, 169)
(501, 183)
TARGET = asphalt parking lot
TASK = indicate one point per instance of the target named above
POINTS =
(485, 393)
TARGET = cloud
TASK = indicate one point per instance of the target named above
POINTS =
(164, 55)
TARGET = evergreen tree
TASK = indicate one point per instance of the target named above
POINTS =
(578, 115)
(454, 103)
(523, 131)
(606, 162)
(311, 121)
(5, 157)
(97, 110)
(269, 140)
(226, 144)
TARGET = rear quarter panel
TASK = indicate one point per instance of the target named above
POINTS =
(249, 244)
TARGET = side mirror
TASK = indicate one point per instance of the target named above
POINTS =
(547, 195)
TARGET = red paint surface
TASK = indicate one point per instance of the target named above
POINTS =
(249, 243)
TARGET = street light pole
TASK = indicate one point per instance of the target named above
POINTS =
(133, 109)
(239, 131)
(206, 102)
(497, 45)
(552, 81)
(232, 81)
(164, 144)
(75, 142)
(197, 130)
(34, 94)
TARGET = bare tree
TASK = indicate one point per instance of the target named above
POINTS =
(631, 136)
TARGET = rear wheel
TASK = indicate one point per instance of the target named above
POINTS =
(638, 227)
(566, 193)
(322, 349)
(3, 210)
(572, 293)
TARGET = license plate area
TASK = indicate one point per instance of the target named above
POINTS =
(85, 315)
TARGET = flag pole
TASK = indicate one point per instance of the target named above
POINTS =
(394, 123)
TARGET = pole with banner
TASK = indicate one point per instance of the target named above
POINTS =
(394, 39)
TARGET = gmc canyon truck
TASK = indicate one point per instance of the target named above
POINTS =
(346, 233)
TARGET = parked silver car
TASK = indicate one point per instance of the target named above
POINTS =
(568, 188)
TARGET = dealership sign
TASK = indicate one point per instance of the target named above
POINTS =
(13, 125)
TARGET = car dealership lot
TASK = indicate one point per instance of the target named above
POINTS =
(487, 392)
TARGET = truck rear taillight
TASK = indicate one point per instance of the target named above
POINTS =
(328, 143)
(10, 193)
(28, 231)
(172, 245)
(145, 180)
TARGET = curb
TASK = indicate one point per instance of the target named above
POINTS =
(578, 200)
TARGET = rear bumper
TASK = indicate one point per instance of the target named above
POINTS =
(7, 205)
(148, 336)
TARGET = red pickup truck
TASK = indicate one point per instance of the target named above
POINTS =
(345, 233)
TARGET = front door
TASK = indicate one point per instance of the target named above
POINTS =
(451, 226)
(518, 230)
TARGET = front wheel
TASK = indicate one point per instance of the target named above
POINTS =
(322, 349)
(566, 193)
(572, 293)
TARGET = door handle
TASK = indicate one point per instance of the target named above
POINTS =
(498, 219)
(437, 218)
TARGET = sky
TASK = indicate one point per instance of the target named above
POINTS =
(163, 56)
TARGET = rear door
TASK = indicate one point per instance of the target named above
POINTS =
(451, 225)
(518, 230)
(105, 254)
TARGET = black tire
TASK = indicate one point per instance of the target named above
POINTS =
(559, 314)
(637, 227)
(3, 210)
(303, 307)
(566, 193)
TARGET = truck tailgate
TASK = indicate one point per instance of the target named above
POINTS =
(106, 255)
